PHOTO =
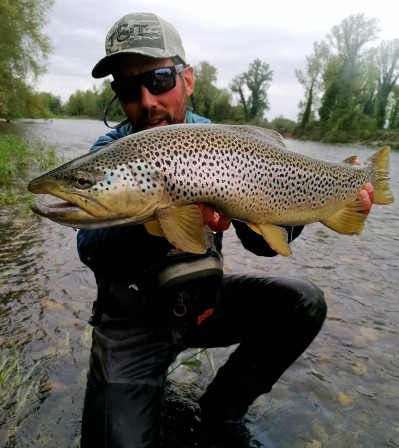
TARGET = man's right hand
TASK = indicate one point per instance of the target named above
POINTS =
(212, 219)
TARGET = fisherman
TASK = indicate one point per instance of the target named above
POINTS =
(154, 302)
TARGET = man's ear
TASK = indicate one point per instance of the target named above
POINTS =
(188, 75)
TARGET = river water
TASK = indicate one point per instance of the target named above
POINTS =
(343, 392)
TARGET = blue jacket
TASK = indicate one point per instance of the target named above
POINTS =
(128, 251)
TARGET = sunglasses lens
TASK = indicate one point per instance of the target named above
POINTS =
(161, 80)
(156, 81)
(126, 90)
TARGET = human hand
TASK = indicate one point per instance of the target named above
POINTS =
(366, 195)
(366, 198)
(212, 219)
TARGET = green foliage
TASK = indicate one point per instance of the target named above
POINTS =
(9, 196)
(222, 111)
(393, 109)
(18, 385)
(251, 88)
(13, 155)
(16, 156)
(349, 84)
(191, 359)
(92, 103)
(51, 103)
(282, 125)
(355, 121)
(23, 51)
(205, 88)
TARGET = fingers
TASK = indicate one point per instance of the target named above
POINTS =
(370, 190)
(207, 212)
(212, 219)
(219, 223)
(366, 198)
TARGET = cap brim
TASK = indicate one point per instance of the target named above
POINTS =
(106, 65)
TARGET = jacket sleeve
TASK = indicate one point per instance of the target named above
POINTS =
(112, 136)
(256, 244)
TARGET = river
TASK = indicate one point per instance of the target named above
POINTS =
(343, 392)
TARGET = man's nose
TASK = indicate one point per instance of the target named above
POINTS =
(148, 100)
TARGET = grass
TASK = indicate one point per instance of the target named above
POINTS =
(192, 360)
(17, 157)
(16, 385)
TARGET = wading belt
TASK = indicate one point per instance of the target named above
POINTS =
(98, 305)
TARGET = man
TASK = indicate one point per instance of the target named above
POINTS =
(154, 301)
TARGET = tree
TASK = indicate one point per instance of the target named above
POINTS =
(393, 115)
(222, 110)
(75, 106)
(312, 81)
(256, 80)
(23, 51)
(205, 89)
(238, 86)
(212, 102)
(343, 91)
(387, 63)
(51, 102)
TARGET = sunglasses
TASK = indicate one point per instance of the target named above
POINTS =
(157, 81)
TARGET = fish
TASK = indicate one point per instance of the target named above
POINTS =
(155, 177)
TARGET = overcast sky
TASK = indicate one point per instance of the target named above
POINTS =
(227, 34)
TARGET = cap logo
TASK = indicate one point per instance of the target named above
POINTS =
(128, 35)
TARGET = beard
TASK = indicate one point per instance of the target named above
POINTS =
(155, 116)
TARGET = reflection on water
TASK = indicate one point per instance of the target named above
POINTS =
(342, 392)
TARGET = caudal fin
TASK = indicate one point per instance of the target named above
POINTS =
(382, 191)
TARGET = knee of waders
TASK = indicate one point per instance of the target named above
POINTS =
(123, 415)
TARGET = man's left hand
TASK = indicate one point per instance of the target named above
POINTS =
(366, 198)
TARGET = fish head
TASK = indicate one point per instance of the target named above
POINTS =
(100, 191)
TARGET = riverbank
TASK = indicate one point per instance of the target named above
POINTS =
(373, 139)
(289, 129)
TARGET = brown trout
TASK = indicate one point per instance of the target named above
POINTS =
(154, 177)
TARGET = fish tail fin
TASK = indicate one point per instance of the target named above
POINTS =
(382, 191)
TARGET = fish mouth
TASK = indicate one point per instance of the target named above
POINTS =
(92, 215)
(48, 209)
(65, 212)
(70, 213)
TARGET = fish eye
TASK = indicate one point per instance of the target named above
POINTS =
(82, 180)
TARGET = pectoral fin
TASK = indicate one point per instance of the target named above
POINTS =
(153, 228)
(183, 227)
(276, 237)
(348, 220)
(254, 227)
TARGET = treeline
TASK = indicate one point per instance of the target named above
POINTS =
(349, 85)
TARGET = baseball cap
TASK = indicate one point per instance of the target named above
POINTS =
(139, 33)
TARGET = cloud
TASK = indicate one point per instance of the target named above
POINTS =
(229, 37)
